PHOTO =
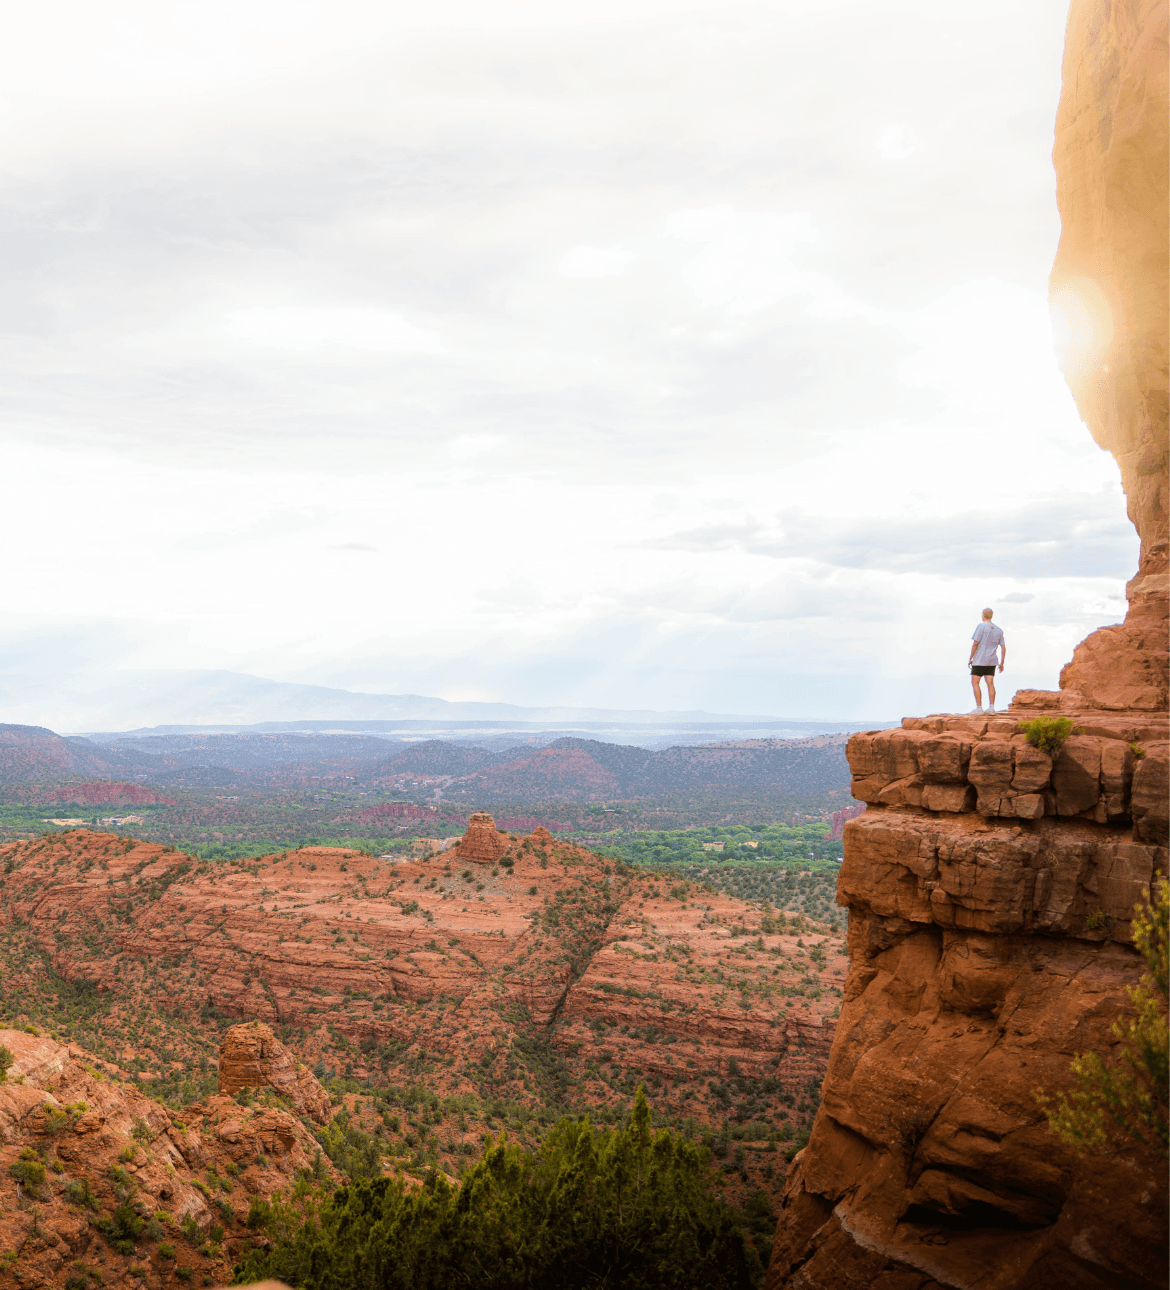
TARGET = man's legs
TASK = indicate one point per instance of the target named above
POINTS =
(991, 690)
(978, 692)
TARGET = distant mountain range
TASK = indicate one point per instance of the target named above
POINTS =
(584, 770)
(565, 769)
(128, 700)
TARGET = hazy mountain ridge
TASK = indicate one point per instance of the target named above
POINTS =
(125, 700)
(568, 769)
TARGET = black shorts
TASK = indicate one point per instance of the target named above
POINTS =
(977, 669)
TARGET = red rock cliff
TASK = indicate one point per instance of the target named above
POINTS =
(1109, 290)
(991, 887)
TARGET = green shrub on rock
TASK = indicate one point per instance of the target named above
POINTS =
(28, 1168)
(1126, 1101)
(1048, 733)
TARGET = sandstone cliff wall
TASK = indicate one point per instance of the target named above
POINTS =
(1109, 283)
(991, 887)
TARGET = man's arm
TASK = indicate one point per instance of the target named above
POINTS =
(1003, 659)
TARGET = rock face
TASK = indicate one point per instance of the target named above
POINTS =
(482, 843)
(76, 1123)
(1110, 283)
(251, 1056)
(991, 886)
(991, 891)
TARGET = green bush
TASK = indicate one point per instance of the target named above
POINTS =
(1048, 733)
(28, 1168)
(56, 1120)
(122, 1228)
(80, 1193)
(6, 1060)
(599, 1209)
(1126, 1101)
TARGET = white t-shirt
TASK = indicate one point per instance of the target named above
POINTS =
(989, 638)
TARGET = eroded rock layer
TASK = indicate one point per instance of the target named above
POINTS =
(991, 895)
(555, 973)
(991, 886)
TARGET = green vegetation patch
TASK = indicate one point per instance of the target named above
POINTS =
(618, 1207)
(800, 845)
(1048, 733)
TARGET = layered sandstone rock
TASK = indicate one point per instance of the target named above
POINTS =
(483, 843)
(385, 966)
(1110, 283)
(194, 1170)
(251, 1056)
(991, 887)
(1113, 770)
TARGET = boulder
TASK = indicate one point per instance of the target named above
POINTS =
(1032, 769)
(944, 759)
(1151, 789)
(948, 797)
(1076, 775)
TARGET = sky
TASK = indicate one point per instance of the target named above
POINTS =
(636, 354)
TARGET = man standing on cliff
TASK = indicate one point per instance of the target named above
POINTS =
(986, 642)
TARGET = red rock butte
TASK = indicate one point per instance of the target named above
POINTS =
(483, 843)
(991, 887)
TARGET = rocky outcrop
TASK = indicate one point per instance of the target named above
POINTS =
(483, 843)
(75, 1144)
(991, 891)
(1110, 284)
(991, 886)
(1112, 771)
(251, 1056)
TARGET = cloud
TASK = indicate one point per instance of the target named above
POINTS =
(1016, 598)
(469, 447)
(893, 145)
(303, 329)
(595, 262)
(490, 277)
(1053, 537)
(354, 546)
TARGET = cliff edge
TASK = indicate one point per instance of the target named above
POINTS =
(991, 887)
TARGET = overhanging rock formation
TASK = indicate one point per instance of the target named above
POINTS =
(991, 887)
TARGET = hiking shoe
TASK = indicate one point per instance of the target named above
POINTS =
(991, 710)
(975, 712)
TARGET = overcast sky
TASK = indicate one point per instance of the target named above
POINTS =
(634, 354)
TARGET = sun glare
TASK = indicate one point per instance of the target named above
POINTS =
(1082, 328)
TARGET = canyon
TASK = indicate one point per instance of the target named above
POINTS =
(991, 887)
(454, 953)
(504, 982)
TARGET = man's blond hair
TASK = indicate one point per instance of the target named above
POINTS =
(987, 613)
